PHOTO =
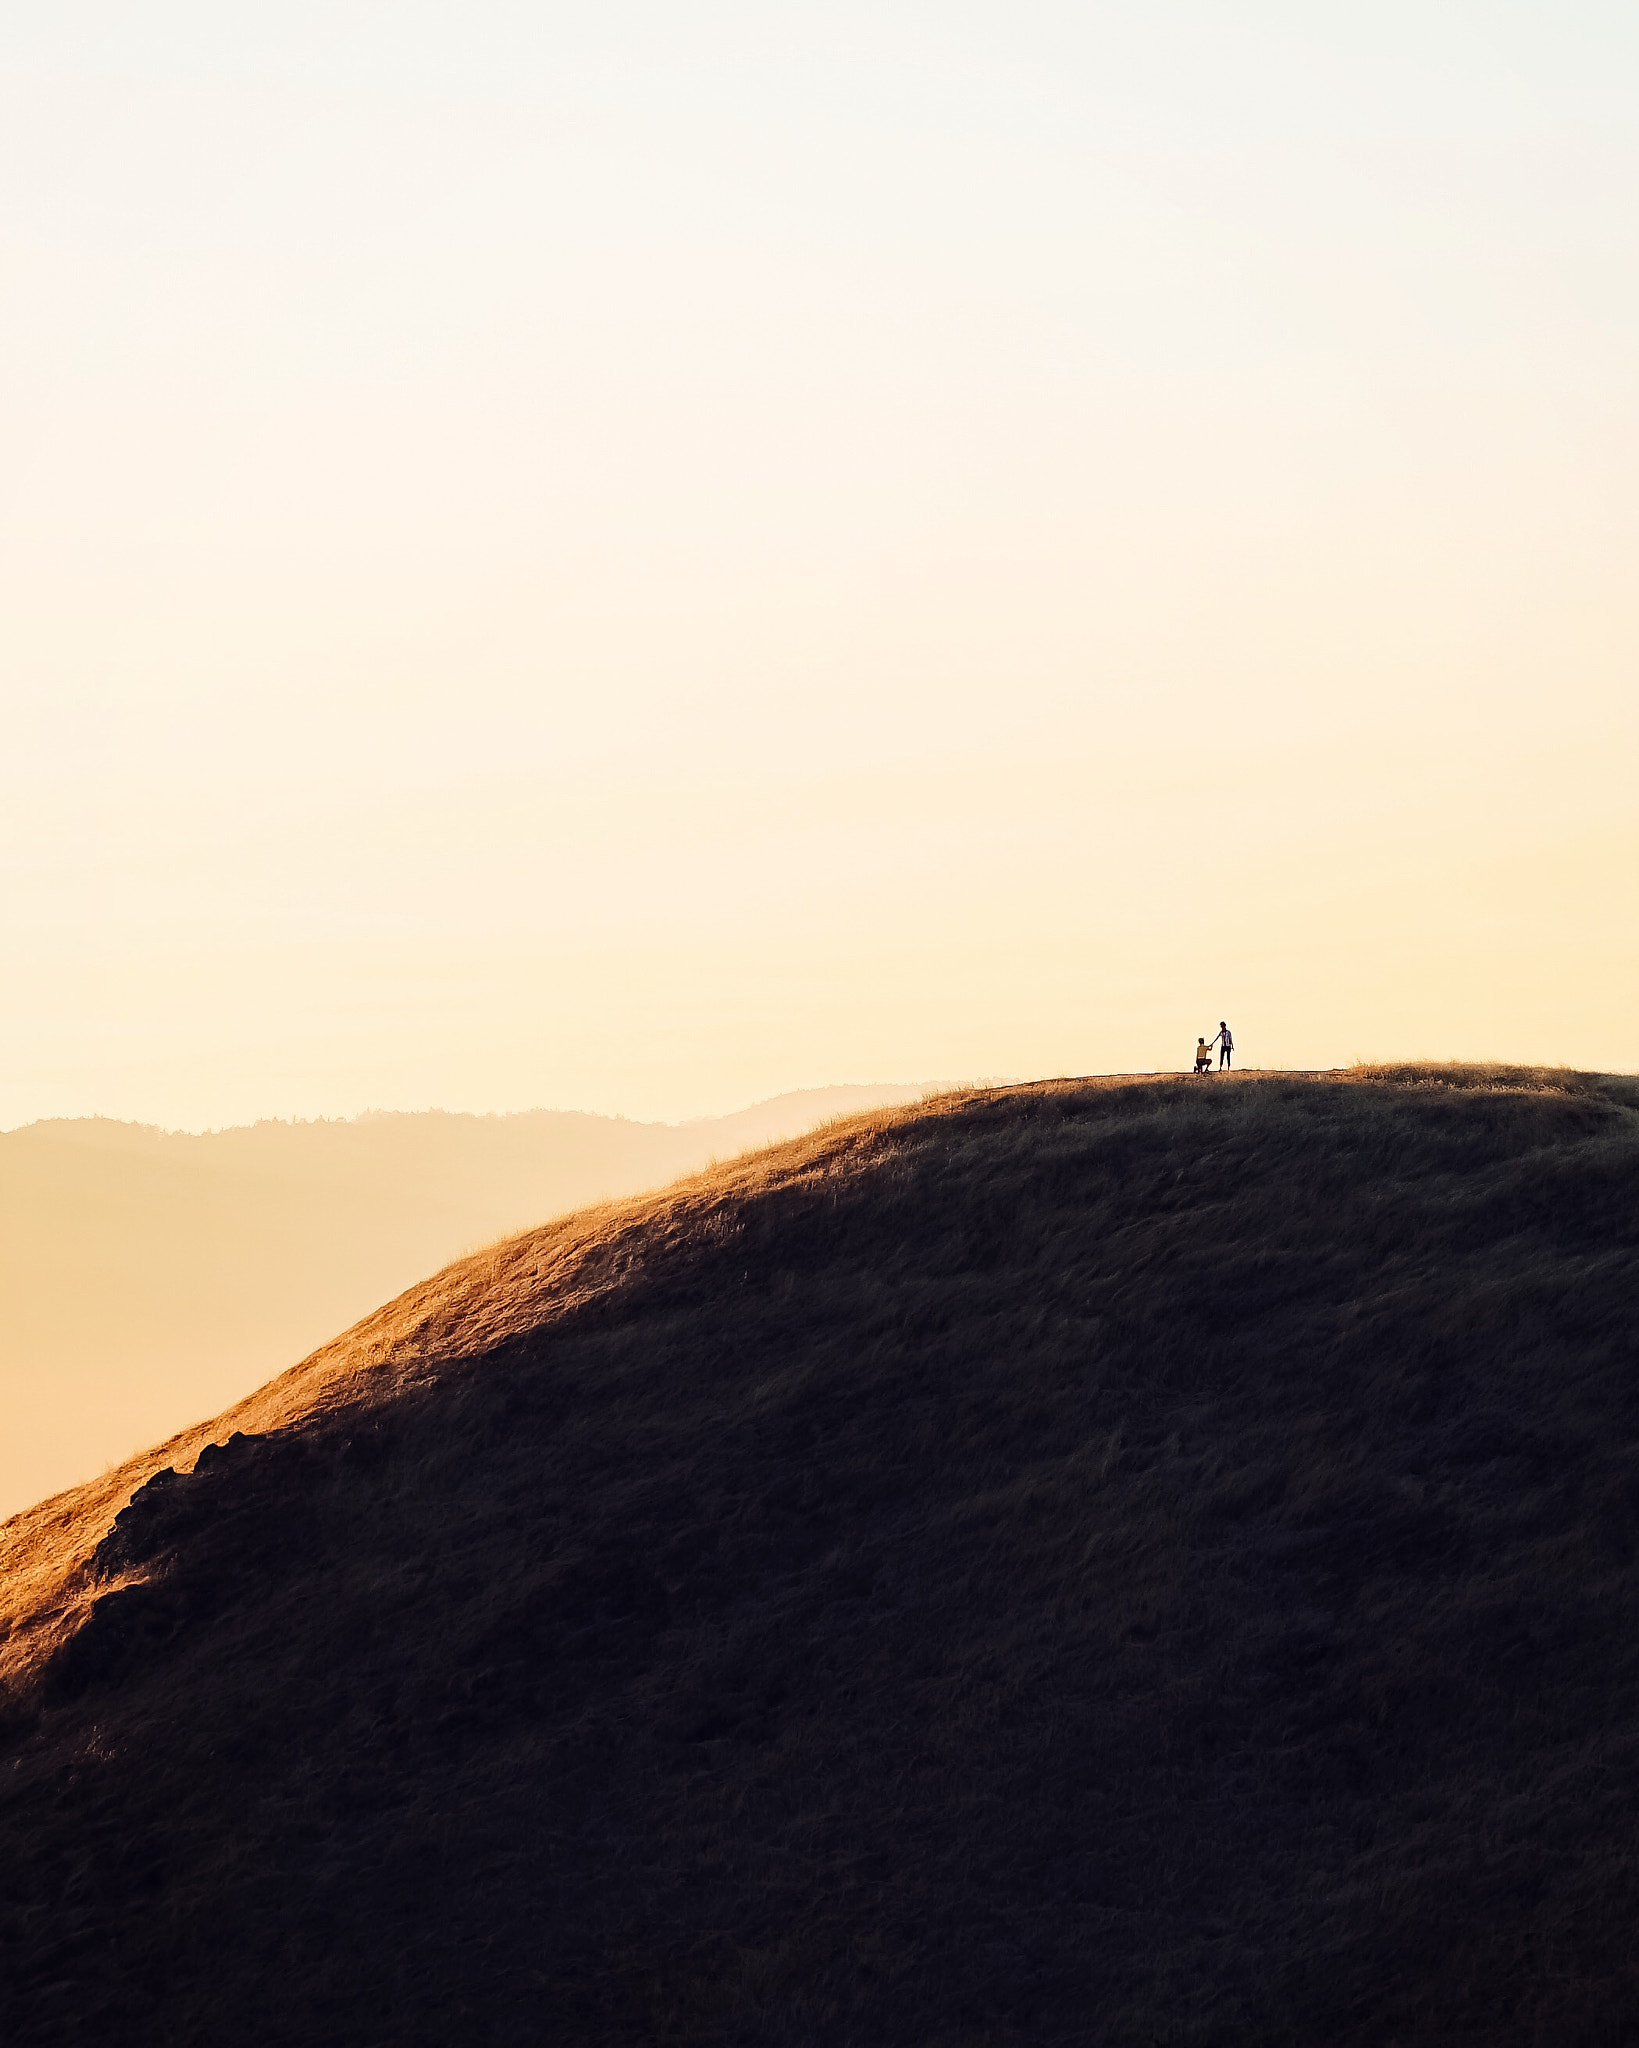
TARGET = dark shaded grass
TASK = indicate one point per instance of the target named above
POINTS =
(1150, 1564)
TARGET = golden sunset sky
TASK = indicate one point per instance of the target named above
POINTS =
(633, 557)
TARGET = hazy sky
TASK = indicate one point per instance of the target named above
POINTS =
(635, 556)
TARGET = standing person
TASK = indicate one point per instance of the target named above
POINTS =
(1225, 1042)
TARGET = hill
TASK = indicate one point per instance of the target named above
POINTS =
(1092, 1562)
(148, 1277)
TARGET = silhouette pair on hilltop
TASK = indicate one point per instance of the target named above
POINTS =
(1225, 1042)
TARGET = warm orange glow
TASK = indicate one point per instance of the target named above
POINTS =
(638, 563)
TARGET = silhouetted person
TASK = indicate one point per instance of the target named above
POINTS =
(1225, 1042)
(1203, 1057)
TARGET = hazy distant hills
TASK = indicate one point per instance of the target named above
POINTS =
(1124, 1562)
(149, 1277)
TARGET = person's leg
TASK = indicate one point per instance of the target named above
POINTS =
(1223, 1057)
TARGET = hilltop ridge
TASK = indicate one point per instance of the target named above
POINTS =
(1145, 1560)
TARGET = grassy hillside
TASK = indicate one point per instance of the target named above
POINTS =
(1129, 1562)
(148, 1277)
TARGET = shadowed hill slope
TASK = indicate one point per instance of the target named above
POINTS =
(1145, 1562)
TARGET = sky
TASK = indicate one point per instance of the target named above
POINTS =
(634, 557)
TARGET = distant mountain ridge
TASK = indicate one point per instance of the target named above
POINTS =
(148, 1276)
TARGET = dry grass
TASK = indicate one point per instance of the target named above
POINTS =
(152, 1277)
(523, 1283)
(1145, 1561)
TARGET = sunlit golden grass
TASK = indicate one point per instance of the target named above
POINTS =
(151, 1277)
(523, 1282)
